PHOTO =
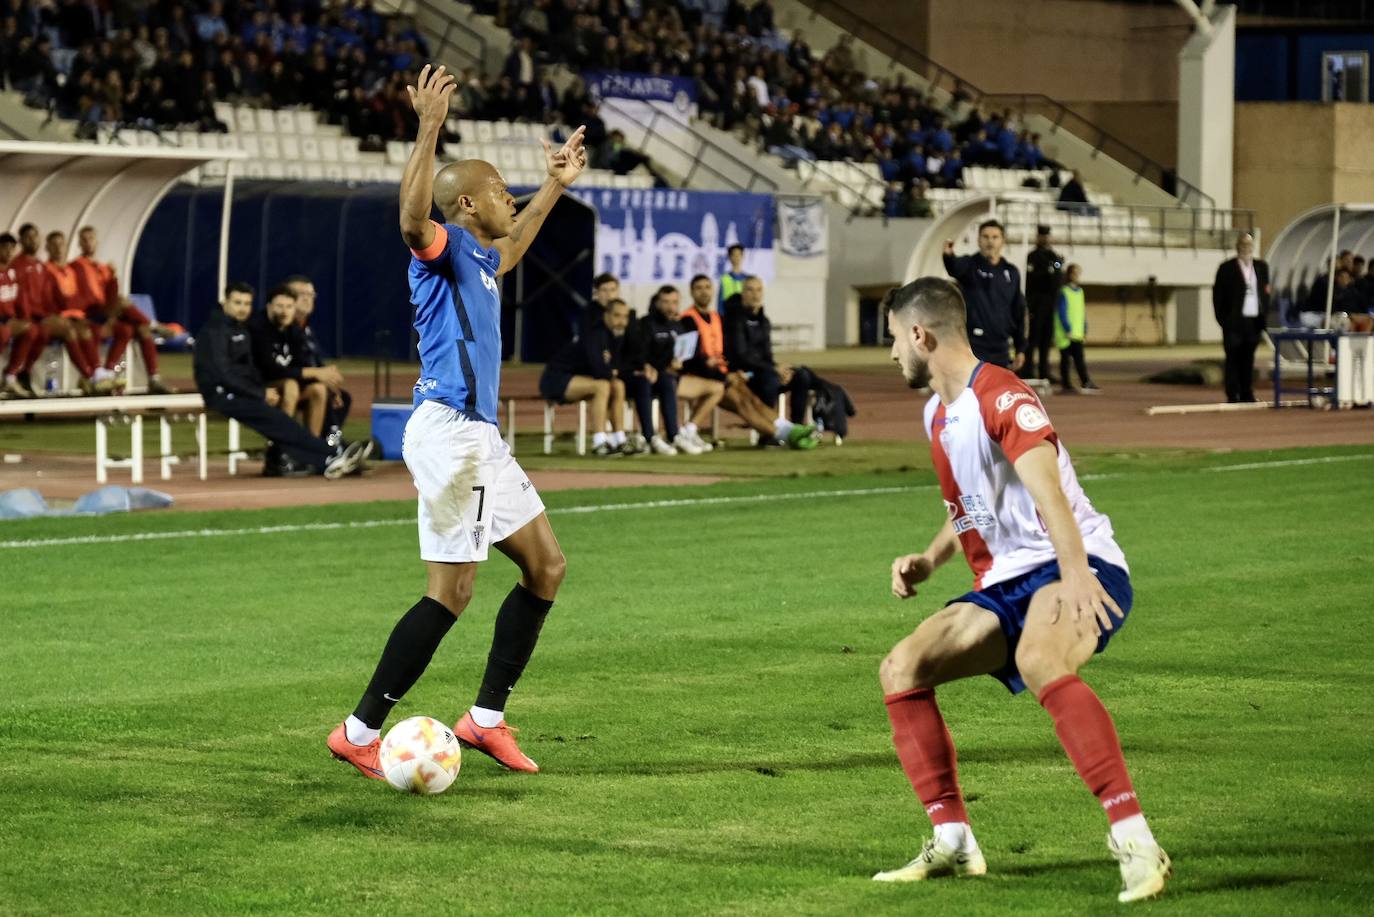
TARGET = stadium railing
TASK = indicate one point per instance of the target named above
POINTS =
(1126, 225)
(943, 80)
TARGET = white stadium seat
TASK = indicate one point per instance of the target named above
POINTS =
(225, 112)
(290, 146)
(529, 157)
(333, 171)
(267, 120)
(305, 122)
(294, 170)
(254, 168)
(249, 144)
(396, 152)
(348, 150)
(314, 171)
(328, 149)
(245, 118)
(501, 130)
(483, 133)
(275, 168)
(353, 171)
(521, 131)
(310, 148)
(467, 129)
(269, 148)
(286, 122)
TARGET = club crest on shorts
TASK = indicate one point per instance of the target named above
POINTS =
(478, 531)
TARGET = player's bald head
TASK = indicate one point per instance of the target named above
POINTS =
(465, 178)
(931, 302)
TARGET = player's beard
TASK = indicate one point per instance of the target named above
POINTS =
(916, 373)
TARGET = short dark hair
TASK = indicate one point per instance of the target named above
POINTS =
(661, 291)
(27, 227)
(56, 234)
(238, 286)
(87, 228)
(993, 224)
(281, 289)
(602, 279)
(699, 277)
(297, 278)
(1359, 259)
(732, 248)
(616, 302)
(931, 301)
(1042, 230)
(7, 237)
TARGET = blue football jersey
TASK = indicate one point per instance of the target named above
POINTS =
(457, 300)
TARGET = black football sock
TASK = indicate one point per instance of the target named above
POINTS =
(517, 631)
(408, 652)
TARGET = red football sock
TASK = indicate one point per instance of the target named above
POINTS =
(149, 348)
(120, 335)
(926, 751)
(81, 355)
(92, 347)
(38, 342)
(1085, 730)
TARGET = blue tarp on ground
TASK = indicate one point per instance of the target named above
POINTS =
(27, 503)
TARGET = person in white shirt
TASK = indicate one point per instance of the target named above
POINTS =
(1240, 302)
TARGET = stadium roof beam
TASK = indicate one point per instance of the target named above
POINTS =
(1202, 17)
(64, 186)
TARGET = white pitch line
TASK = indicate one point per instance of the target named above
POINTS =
(378, 523)
(600, 508)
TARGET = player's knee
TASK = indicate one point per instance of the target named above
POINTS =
(1038, 665)
(454, 596)
(546, 574)
(907, 666)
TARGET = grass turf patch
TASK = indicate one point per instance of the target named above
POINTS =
(704, 703)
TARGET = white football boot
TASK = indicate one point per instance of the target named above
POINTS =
(1144, 868)
(936, 860)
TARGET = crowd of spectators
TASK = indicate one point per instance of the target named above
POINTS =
(774, 90)
(164, 63)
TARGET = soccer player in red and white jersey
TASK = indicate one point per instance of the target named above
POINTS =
(67, 300)
(110, 314)
(44, 303)
(1051, 587)
(15, 328)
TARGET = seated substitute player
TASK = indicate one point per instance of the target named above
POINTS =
(231, 385)
(588, 369)
(749, 349)
(709, 363)
(1050, 589)
(472, 492)
(340, 401)
(15, 328)
(653, 371)
(111, 315)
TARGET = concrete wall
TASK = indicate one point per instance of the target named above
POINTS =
(1294, 155)
(864, 253)
(1151, 127)
(1121, 51)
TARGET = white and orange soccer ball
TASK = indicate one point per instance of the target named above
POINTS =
(421, 755)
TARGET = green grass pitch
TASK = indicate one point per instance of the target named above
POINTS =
(713, 741)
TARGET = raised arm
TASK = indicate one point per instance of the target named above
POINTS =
(564, 166)
(1080, 592)
(430, 98)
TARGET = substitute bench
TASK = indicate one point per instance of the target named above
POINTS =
(106, 409)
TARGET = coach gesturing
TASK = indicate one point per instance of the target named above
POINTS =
(992, 292)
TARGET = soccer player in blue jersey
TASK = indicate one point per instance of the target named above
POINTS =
(472, 492)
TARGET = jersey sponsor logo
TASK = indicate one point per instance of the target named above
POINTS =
(1007, 399)
(426, 385)
(1030, 418)
(489, 282)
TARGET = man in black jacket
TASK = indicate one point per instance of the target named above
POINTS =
(1044, 277)
(231, 385)
(749, 349)
(283, 358)
(1240, 301)
(992, 294)
(588, 369)
(652, 370)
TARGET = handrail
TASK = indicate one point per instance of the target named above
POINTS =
(940, 77)
(1163, 222)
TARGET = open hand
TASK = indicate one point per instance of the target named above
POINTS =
(431, 96)
(1082, 596)
(568, 161)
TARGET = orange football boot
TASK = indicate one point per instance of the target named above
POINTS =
(366, 758)
(496, 742)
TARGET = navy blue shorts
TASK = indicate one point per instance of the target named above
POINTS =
(1010, 601)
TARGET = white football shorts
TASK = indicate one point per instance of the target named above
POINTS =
(472, 491)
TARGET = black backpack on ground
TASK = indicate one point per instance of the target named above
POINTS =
(833, 408)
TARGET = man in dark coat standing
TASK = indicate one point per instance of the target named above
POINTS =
(1044, 277)
(1240, 300)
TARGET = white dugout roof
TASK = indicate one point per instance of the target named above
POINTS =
(64, 186)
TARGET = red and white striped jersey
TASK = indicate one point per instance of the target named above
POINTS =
(9, 293)
(974, 442)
